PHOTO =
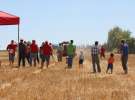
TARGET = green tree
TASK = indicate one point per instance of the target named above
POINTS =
(131, 45)
(115, 35)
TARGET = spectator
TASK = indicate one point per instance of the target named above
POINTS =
(47, 51)
(95, 57)
(34, 51)
(60, 52)
(124, 56)
(11, 48)
(110, 63)
(70, 53)
(22, 49)
(102, 52)
(28, 52)
(81, 59)
(42, 53)
(51, 54)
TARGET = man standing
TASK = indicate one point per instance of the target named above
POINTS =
(34, 52)
(95, 57)
(124, 56)
(102, 52)
(70, 53)
(11, 48)
(47, 51)
(22, 49)
(60, 52)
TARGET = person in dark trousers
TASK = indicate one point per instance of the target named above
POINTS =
(110, 63)
(70, 53)
(22, 49)
(124, 55)
(95, 57)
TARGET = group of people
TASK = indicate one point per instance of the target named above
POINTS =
(95, 51)
(31, 51)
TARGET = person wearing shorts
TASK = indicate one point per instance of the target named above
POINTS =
(11, 48)
(11, 57)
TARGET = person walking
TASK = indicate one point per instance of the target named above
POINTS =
(34, 51)
(95, 57)
(22, 52)
(70, 53)
(124, 55)
(11, 48)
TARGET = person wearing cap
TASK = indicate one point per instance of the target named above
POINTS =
(95, 57)
(124, 55)
(34, 52)
(11, 48)
(70, 53)
(22, 52)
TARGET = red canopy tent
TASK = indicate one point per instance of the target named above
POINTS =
(9, 19)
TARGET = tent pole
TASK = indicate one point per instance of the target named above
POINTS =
(18, 44)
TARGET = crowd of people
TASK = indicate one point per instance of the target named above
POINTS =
(32, 52)
(95, 51)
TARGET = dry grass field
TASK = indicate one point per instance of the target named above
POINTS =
(58, 83)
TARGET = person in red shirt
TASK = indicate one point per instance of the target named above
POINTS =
(110, 63)
(47, 51)
(102, 52)
(34, 52)
(11, 48)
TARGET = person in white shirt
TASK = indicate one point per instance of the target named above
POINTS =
(81, 59)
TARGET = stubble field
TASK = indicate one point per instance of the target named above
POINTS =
(58, 83)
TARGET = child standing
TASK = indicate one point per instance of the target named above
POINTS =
(81, 59)
(110, 63)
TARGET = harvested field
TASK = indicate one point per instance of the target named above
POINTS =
(58, 83)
